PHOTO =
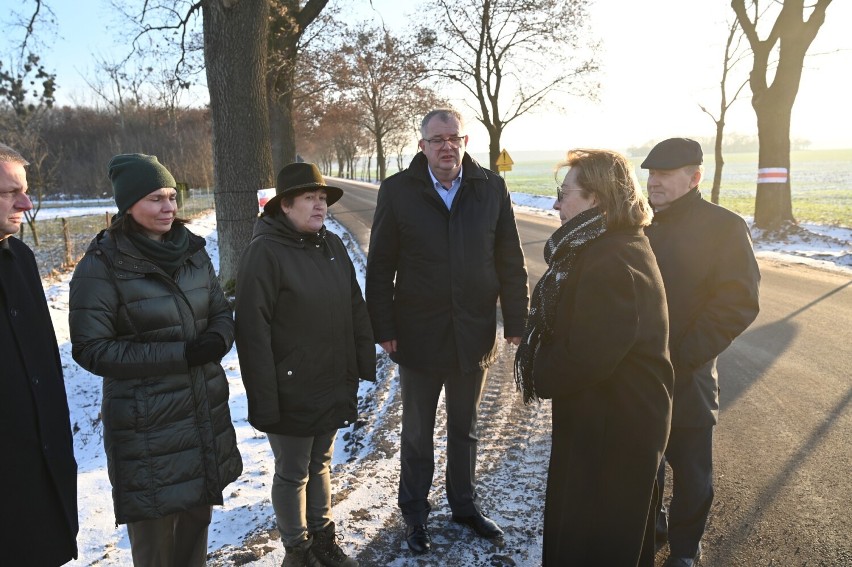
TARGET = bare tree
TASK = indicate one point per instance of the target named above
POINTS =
(26, 94)
(288, 24)
(236, 46)
(790, 37)
(511, 55)
(733, 55)
(382, 75)
(235, 55)
(36, 21)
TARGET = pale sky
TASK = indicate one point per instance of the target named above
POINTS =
(661, 59)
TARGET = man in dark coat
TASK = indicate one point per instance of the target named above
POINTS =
(37, 467)
(711, 277)
(444, 247)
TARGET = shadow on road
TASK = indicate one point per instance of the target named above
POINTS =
(744, 365)
(779, 334)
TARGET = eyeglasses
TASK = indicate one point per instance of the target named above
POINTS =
(560, 191)
(438, 143)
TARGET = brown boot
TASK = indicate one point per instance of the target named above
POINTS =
(300, 555)
(326, 550)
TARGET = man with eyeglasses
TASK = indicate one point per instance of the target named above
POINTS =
(444, 248)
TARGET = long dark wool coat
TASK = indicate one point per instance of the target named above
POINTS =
(37, 466)
(608, 371)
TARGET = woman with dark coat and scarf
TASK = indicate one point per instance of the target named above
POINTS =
(304, 339)
(596, 343)
(147, 313)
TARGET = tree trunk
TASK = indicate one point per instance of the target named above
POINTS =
(720, 161)
(792, 35)
(34, 231)
(494, 135)
(381, 162)
(288, 129)
(235, 56)
(773, 204)
(276, 131)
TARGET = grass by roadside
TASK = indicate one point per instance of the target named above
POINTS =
(821, 183)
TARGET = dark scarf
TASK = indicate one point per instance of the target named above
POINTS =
(560, 253)
(170, 254)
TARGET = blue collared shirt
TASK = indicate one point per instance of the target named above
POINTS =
(446, 195)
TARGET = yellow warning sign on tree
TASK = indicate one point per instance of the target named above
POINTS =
(504, 161)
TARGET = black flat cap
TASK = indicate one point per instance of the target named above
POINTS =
(674, 153)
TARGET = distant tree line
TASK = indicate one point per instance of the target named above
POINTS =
(78, 143)
(69, 147)
(732, 143)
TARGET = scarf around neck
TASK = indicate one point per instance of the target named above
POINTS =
(560, 253)
(169, 254)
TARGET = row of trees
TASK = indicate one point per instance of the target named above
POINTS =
(279, 83)
(277, 79)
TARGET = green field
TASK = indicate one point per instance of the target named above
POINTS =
(821, 181)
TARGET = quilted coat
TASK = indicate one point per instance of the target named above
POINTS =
(168, 436)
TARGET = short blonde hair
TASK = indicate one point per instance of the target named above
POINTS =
(609, 176)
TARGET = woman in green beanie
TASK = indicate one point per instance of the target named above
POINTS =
(148, 315)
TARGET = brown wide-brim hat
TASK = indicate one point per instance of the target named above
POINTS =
(297, 178)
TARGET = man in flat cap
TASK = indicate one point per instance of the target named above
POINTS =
(711, 278)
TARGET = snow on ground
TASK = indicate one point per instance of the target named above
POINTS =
(366, 455)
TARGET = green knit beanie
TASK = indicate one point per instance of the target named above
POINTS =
(133, 176)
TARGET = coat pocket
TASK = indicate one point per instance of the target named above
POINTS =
(289, 368)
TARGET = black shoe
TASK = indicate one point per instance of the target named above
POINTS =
(418, 539)
(679, 562)
(483, 526)
(660, 540)
(684, 561)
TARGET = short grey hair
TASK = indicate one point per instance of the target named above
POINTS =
(445, 114)
(8, 155)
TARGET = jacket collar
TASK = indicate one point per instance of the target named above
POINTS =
(117, 245)
(471, 172)
(679, 205)
(280, 229)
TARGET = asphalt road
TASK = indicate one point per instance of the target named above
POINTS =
(783, 451)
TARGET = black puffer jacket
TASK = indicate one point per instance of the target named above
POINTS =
(169, 440)
(303, 334)
(712, 286)
(434, 275)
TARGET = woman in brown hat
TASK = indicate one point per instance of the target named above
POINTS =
(304, 340)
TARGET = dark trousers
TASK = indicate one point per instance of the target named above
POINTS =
(301, 487)
(420, 393)
(690, 456)
(176, 540)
